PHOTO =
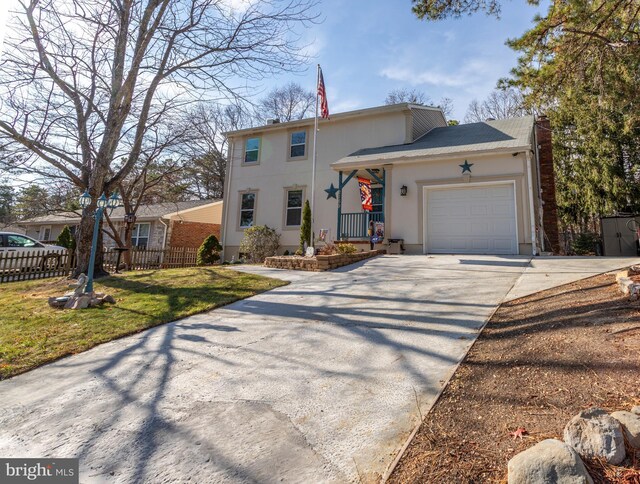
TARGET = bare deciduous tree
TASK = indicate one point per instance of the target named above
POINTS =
(204, 174)
(85, 83)
(286, 103)
(415, 96)
(502, 103)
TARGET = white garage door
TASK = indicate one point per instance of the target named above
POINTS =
(471, 220)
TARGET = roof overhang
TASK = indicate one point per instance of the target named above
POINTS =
(187, 210)
(391, 108)
(408, 157)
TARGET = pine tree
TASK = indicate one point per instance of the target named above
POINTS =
(305, 228)
(66, 239)
(209, 251)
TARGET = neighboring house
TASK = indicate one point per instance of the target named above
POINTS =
(480, 188)
(12, 228)
(162, 225)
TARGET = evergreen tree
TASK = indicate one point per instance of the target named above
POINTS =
(66, 239)
(209, 251)
(7, 197)
(589, 86)
(305, 228)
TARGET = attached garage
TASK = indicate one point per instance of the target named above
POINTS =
(479, 219)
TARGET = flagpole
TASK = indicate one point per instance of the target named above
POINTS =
(313, 162)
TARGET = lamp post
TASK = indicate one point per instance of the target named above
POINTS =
(85, 200)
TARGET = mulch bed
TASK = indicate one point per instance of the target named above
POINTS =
(540, 360)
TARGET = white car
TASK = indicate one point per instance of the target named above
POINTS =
(18, 251)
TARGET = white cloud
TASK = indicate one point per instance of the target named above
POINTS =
(345, 105)
(5, 7)
(469, 73)
(312, 46)
(235, 6)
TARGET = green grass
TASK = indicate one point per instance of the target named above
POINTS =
(32, 333)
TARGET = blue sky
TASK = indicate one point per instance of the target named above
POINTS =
(368, 47)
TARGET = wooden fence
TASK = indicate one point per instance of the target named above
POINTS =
(41, 264)
(34, 264)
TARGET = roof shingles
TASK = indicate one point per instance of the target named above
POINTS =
(503, 134)
(145, 212)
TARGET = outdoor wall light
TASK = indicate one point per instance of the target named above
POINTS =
(403, 191)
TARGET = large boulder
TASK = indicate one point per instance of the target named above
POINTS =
(595, 433)
(630, 425)
(549, 461)
(636, 410)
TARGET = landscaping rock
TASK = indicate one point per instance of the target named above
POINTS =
(630, 425)
(79, 302)
(595, 433)
(549, 461)
(58, 302)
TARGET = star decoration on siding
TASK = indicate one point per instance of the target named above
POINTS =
(466, 167)
(331, 192)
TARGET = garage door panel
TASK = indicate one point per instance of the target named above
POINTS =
(480, 210)
(477, 220)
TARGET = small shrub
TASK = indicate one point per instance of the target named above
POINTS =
(328, 249)
(585, 244)
(286, 252)
(347, 248)
(209, 251)
(299, 252)
(259, 242)
(305, 228)
(66, 239)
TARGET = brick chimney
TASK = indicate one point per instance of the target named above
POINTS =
(547, 185)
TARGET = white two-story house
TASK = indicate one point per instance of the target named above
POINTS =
(480, 188)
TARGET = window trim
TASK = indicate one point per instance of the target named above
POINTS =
(41, 232)
(137, 234)
(244, 150)
(239, 228)
(286, 190)
(307, 143)
(379, 187)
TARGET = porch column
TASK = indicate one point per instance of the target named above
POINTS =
(387, 199)
(339, 224)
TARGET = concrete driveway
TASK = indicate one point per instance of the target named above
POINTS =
(319, 381)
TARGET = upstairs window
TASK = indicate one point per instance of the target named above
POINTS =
(247, 209)
(252, 150)
(294, 208)
(298, 148)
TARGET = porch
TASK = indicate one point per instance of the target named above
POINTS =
(355, 225)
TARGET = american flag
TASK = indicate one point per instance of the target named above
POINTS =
(322, 94)
(365, 193)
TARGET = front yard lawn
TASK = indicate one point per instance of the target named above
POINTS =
(32, 333)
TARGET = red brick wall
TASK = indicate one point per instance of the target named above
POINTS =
(547, 185)
(191, 234)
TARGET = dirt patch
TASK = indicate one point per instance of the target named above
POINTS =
(540, 360)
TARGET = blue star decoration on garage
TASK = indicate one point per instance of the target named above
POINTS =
(466, 167)
(331, 192)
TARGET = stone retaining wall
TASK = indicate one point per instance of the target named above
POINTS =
(319, 262)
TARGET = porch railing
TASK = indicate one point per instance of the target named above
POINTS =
(355, 225)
